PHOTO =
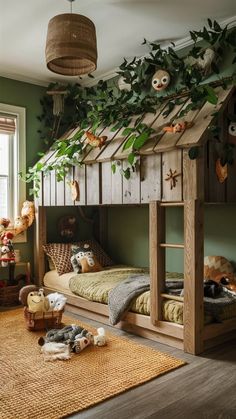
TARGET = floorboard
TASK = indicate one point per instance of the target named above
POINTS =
(203, 389)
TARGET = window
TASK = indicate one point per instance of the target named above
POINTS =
(12, 161)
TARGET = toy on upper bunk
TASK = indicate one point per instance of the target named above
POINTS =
(40, 311)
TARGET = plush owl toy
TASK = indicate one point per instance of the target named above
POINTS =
(84, 260)
(160, 80)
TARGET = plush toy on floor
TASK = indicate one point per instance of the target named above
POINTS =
(55, 350)
(100, 338)
(66, 335)
(56, 301)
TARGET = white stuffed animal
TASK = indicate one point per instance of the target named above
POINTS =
(100, 338)
(55, 350)
(56, 301)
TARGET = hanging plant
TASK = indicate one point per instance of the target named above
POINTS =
(105, 105)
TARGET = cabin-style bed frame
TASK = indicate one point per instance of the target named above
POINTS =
(196, 185)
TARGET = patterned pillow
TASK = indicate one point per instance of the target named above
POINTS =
(216, 265)
(60, 253)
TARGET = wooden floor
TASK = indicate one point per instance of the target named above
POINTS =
(203, 389)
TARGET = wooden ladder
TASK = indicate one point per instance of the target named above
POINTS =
(193, 267)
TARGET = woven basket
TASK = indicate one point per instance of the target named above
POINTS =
(9, 295)
(41, 320)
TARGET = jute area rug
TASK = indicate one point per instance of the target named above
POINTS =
(31, 388)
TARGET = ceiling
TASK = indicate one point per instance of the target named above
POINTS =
(121, 26)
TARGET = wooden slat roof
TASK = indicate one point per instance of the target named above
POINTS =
(159, 141)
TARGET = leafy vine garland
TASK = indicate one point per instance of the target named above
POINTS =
(104, 104)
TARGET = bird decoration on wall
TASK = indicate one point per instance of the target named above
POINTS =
(161, 80)
(94, 140)
(178, 127)
(221, 171)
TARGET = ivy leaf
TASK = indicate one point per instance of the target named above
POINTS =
(113, 168)
(127, 131)
(211, 95)
(193, 153)
(209, 22)
(126, 173)
(217, 27)
(131, 158)
(141, 140)
(129, 142)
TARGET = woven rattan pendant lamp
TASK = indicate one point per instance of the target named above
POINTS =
(71, 46)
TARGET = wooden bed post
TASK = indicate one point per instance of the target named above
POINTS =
(39, 240)
(193, 276)
(157, 259)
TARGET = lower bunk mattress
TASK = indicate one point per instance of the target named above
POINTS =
(95, 286)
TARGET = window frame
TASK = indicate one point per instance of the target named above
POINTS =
(19, 159)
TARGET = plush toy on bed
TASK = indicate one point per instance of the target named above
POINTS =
(84, 260)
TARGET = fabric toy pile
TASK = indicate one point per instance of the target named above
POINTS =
(8, 230)
(61, 344)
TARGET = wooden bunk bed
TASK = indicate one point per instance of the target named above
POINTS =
(196, 184)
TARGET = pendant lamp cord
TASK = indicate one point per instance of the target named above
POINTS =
(71, 1)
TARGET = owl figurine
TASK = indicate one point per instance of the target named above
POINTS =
(232, 132)
(160, 80)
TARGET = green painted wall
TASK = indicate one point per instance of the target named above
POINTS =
(28, 96)
(128, 234)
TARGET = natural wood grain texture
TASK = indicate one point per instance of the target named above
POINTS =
(60, 193)
(217, 190)
(169, 140)
(193, 176)
(116, 186)
(193, 276)
(53, 187)
(80, 177)
(131, 186)
(47, 189)
(116, 144)
(93, 184)
(92, 156)
(106, 184)
(157, 259)
(172, 160)
(150, 167)
(196, 135)
(68, 197)
(39, 239)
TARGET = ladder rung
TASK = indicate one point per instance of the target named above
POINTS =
(172, 297)
(172, 245)
(172, 204)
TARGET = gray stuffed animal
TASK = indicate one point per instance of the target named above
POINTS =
(69, 334)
